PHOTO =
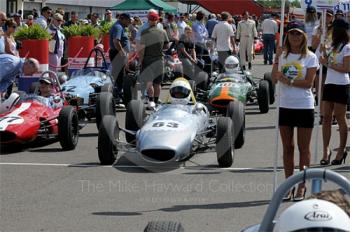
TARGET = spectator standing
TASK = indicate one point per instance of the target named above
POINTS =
(46, 13)
(187, 53)
(269, 29)
(224, 39)
(118, 53)
(211, 24)
(74, 19)
(246, 33)
(171, 29)
(30, 20)
(339, 14)
(10, 43)
(108, 18)
(336, 90)
(152, 42)
(146, 25)
(200, 33)
(56, 46)
(311, 21)
(95, 20)
(296, 107)
(3, 19)
(18, 19)
(181, 25)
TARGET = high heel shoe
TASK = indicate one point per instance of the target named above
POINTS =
(342, 160)
(302, 196)
(327, 161)
(290, 195)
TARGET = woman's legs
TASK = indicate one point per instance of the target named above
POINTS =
(288, 149)
(327, 126)
(340, 115)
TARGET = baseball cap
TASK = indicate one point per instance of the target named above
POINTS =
(330, 12)
(46, 80)
(16, 15)
(339, 12)
(153, 16)
(311, 9)
(58, 16)
(30, 17)
(125, 16)
(296, 25)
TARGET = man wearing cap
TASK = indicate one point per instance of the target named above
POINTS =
(211, 24)
(30, 20)
(56, 45)
(146, 25)
(152, 42)
(246, 33)
(119, 48)
(13, 66)
(46, 13)
(45, 90)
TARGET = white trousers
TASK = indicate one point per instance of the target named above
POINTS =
(245, 48)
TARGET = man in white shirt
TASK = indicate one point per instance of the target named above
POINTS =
(269, 29)
(246, 32)
(181, 25)
(46, 13)
(224, 37)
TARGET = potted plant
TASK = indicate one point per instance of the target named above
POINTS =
(34, 42)
(80, 37)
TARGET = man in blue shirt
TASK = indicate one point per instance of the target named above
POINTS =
(211, 24)
(11, 67)
(119, 48)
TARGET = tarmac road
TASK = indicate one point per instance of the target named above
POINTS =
(45, 189)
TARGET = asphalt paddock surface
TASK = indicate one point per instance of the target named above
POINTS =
(45, 189)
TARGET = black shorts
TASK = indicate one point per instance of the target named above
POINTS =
(152, 71)
(296, 117)
(336, 93)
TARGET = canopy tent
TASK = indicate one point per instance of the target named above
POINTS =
(144, 5)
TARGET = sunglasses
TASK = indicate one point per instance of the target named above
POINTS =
(295, 33)
(14, 27)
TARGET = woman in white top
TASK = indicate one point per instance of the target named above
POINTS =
(296, 107)
(336, 89)
(311, 22)
(10, 43)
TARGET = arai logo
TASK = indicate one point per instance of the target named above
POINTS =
(318, 216)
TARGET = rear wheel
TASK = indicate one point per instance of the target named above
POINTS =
(202, 80)
(68, 128)
(272, 87)
(263, 96)
(134, 118)
(224, 142)
(104, 106)
(128, 84)
(235, 111)
(108, 133)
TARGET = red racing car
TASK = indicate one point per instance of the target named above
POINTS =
(29, 118)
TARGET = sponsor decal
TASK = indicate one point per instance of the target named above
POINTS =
(318, 215)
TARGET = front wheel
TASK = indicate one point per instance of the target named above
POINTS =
(108, 133)
(104, 106)
(263, 96)
(68, 128)
(235, 111)
(224, 142)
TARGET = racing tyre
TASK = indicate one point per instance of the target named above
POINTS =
(68, 128)
(164, 226)
(225, 142)
(128, 84)
(107, 135)
(104, 106)
(34, 86)
(263, 96)
(108, 87)
(134, 118)
(272, 87)
(202, 80)
(236, 112)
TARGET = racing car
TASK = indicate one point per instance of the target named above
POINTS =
(156, 136)
(26, 118)
(85, 86)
